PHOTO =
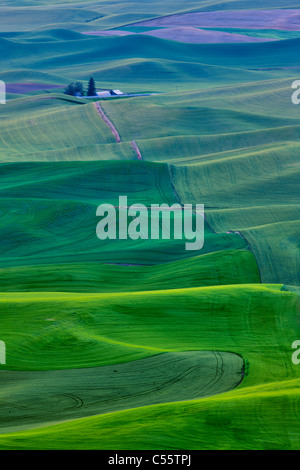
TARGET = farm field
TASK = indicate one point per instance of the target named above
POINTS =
(133, 344)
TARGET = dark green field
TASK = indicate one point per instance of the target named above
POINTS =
(142, 344)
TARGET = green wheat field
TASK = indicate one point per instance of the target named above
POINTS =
(142, 344)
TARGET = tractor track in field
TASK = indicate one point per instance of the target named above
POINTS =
(107, 122)
(52, 396)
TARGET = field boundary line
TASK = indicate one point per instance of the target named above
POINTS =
(107, 121)
(135, 147)
(172, 183)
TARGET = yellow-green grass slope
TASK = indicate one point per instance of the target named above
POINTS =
(255, 321)
(264, 417)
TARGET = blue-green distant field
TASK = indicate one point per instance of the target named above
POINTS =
(132, 344)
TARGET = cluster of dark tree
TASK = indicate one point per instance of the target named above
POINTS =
(77, 89)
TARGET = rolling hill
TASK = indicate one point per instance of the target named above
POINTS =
(142, 344)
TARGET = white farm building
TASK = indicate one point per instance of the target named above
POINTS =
(108, 93)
